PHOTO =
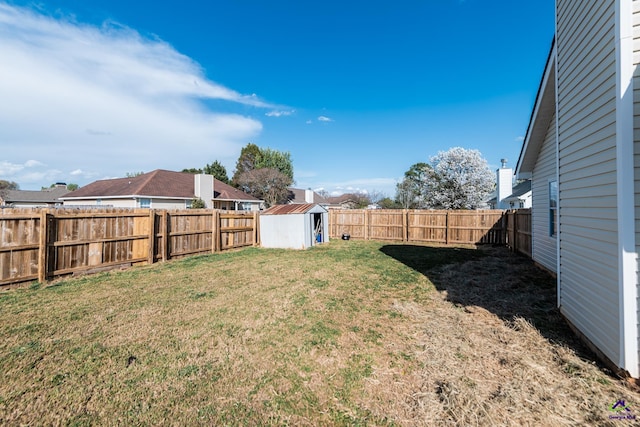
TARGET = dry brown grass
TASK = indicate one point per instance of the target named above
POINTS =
(350, 333)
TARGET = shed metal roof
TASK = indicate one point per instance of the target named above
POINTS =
(290, 209)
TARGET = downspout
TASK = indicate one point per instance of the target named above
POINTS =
(627, 255)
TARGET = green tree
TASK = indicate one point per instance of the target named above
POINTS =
(274, 159)
(246, 161)
(218, 171)
(388, 203)
(198, 203)
(133, 174)
(253, 157)
(194, 171)
(410, 191)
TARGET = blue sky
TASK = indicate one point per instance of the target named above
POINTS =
(356, 91)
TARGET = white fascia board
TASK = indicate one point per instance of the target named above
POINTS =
(238, 200)
(627, 255)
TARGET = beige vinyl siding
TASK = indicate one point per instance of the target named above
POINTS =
(168, 203)
(544, 245)
(115, 203)
(636, 128)
(587, 169)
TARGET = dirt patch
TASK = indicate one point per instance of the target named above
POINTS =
(496, 351)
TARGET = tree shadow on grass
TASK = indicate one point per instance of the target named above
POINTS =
(506, 284)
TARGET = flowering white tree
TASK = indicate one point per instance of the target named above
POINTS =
(455, 179)
(460, 179)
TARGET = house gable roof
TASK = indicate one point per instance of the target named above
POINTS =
(49, 195)
(298, 195)
(541, 116)
(158, 183)
(520, 190)
(222, 191)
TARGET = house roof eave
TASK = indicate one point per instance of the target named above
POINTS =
(541, 116)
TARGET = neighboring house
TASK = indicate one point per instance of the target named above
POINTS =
(508, 196)
(226, 197)
(299, 196)
(162, 189)
(520, 198)
(49, 197)
(582, 154)
(344, 201)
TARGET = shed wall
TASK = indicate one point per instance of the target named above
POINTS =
(283, 231)
(544, 247)
(586, 87)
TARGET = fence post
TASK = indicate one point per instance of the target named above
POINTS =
(164, 229)
(215, 231)
(332, 223)
(43, 246)
(152, 236)
(405, 225)
(366, 224)
(504, 228)
(446, 229)
(516, 231)
(256, 228)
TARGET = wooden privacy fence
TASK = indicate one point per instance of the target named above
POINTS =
(511, 228)
(437, 226)
(519, 230)
(43, 244)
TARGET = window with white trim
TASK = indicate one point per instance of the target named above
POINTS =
(553, 208)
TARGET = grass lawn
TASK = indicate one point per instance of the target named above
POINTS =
(347, 333)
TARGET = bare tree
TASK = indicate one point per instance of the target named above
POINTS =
(267, 184)
(5, 187)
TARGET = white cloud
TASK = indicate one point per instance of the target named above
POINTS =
(106, 100)
(9, 169)
(280, 113)
(324, 119)
(519, 139)
(33, 163)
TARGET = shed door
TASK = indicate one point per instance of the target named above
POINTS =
(318, 227)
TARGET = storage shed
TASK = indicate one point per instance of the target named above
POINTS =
(294, 226)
